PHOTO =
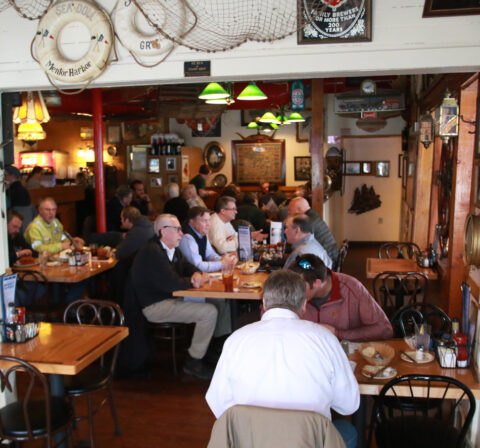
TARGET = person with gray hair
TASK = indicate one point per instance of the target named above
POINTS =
(299, 233)
(221, 234)
(285, 362)
(189, 194)
(123, 198)
(176, 204)
(159, 269)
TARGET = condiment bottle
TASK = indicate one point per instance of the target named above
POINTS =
(461, 342)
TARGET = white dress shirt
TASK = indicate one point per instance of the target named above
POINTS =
(308, 245)
(190, 251)
(218, 234)
(284, 362)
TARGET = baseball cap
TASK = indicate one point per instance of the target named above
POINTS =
(13, 170)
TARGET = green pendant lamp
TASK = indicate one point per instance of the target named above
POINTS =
(251, 93)
(252, 125)
(213, 91)
(295, 117)
(268, 117)
(282, 119)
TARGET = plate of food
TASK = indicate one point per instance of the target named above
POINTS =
(249, 267)
(417, 357)
(251, 285)
(379, 372)
(26, 262)
(54, 263)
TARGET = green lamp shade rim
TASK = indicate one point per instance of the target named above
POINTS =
(213, 91)
(268, 117)
(295, 117)
(251, 93)
(252, 125)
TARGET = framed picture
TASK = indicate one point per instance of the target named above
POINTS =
(214, 156)
(334, 21)
(303, 168)
(303, 128)
(154, 165)
(86, 133)
(212, 131)
(155, 182)
(367, 168)
(246, 116)
(382, 169)
(258, 161)
(171, 164)
(352, 168)
(114, 133)
(141, 132)
(173, 179)
(400, 165)
(438, 8)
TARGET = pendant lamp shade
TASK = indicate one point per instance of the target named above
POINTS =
(32, 110)
(226, 101)
(282, 119)
(251, 93)
(31, 132)
(295, 117)
(252, 125)
(213, 91)
(268, 117)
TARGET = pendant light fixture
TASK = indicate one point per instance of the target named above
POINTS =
(268, 117)
(251, 93)
(295, 117)
(213, 91)
(29, 117)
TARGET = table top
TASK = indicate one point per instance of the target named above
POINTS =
(216, 290)
(376, 266)
(65, 349)
(372, 386)
(65, 273)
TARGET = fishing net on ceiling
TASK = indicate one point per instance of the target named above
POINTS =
(30, 9)
(220, 25)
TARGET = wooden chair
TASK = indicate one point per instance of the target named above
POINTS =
(426, 313)
(411, 420)
(392, 289)
(97, 376)
(399, 250)
(35, 414)
(342, 254)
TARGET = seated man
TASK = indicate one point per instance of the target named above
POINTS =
(250, 212)
(298, 232)
(140, 198)
(221, 234)
(158, 270)
(320, 229)
(341, 302)
(197, 249)
(17, 246)
(123, 197)
(285, 362)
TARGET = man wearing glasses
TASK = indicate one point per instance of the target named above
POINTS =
(222, 235)
(158, 270)
(340, 302)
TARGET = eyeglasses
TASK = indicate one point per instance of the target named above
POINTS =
(231, 208)
(178, 229)
(304, 264)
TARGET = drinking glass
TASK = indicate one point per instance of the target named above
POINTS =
(227, 275)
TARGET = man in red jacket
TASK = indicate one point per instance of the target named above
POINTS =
(340, 302)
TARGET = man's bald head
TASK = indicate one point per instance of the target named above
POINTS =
(298, 205)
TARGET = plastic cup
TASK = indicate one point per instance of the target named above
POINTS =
(227, 276)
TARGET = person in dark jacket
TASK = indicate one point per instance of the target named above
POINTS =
(17, 246)
(158, 270)
(140, 198)
(176, 204)
(122, 198)
(17, 194)
(250, 212)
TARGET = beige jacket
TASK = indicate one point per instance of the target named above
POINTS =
(256, 427)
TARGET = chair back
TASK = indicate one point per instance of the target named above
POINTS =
(342, 254)
(258, 427)
(392, 289)
(404, 320)
(96, 312)
(399, 250)
(36, 381)
(34, 283)
(399, 424)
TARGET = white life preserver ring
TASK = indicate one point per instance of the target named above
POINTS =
(46, 41)
(137, 42)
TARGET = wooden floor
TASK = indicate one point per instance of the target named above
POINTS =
(169, 412)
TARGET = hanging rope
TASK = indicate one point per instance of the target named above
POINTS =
(30, 9)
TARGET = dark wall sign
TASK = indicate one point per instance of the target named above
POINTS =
(435, 8)
(335, 21)
(196, 68)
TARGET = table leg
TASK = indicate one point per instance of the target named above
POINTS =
(57, 389)
(359, 421)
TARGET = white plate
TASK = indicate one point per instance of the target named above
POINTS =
(54, 263)
(427, 357)
(369, 371)
(215, 275)
(251, 285)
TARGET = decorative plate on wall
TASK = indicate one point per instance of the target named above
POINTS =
(220, 180)
(214, 156)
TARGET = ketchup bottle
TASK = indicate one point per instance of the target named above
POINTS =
(461, 342)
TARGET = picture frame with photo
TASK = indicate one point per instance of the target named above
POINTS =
(154, 165)
(382, 169)
(173, 179)
(352, 168)
(114, 133)
(366, 168)
(156, 182)
(303, 168)
(171, 164)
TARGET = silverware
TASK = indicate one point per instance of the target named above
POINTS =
(378, 373)
(409, 357)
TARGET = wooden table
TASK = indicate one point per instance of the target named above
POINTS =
(65, 273)
(373, 386)
(376, 266)
(216, 290)
(65, 349)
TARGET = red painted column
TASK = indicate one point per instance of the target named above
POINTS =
(98, 149)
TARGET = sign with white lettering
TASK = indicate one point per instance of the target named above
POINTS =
(336, 21)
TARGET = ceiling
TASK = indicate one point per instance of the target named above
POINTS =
(181, 101)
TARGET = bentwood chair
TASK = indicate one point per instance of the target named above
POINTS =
(399, 250)
(97, 376)
(398, 424)
(404, 320)
(393, 290)
(36, 414)
(342, 254)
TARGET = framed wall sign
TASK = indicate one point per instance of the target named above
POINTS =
(114, 133)
(171, 164)
(303, 168)
(352, 168)
(258, 161)
(334, 21)
(382, 169)
(438, 8)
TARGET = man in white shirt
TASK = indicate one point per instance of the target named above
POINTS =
(285, 362)
(221, 234)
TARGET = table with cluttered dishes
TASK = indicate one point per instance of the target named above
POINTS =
(368, 361)
(376, 266)
(61, 269)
